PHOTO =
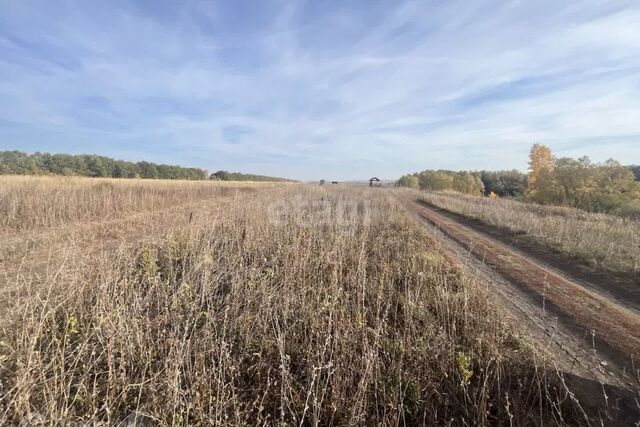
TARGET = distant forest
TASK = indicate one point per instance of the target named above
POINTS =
(237, 176)
(89, 165)
(596, 187)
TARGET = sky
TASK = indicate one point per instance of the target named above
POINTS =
(322, 89)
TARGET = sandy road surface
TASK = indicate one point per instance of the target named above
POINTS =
(591, 338)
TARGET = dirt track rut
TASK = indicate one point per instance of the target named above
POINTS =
(591, 338)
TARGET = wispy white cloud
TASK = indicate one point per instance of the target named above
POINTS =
(310, 90)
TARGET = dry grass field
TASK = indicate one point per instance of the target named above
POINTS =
(255, 305)
(28, 202)
(606, 241)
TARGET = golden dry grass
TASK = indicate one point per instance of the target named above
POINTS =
(607, 241)
(304, 306)
(28, 202)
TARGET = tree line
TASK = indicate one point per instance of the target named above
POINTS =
(237, 176)
(501, 183)
(90, 165)
(19, 163)
(596, 187)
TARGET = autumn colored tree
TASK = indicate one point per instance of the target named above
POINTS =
(540, 166)
(607, 187)
(412, 182)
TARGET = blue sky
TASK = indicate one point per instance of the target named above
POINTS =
(322, 89)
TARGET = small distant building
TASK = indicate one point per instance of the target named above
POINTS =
(322, 182)
(334, 182)
(374, 182)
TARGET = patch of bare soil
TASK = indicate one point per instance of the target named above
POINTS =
(593, 339)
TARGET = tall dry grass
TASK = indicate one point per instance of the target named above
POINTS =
(28, 202)
(318, 306)
(604, 240)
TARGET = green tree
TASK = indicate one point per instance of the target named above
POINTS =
(504, 183)
(147, 170)
(467, 183)
(410, 181)
(222, 175)
(16, 162)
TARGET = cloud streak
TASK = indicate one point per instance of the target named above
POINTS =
(313, 89)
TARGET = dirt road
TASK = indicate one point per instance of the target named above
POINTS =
(590, 336)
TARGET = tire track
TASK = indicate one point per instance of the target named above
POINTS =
(593, 340)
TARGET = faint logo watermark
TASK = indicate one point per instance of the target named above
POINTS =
(302, 211)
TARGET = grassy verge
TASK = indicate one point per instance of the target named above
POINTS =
(606, 241)
(317, 306)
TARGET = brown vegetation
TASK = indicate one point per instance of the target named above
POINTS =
(613, 323)
(28, 202)
(310, 305)
(607, 241)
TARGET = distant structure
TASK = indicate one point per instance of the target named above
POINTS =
(374, 182)
(334, 182)
(322, 182)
